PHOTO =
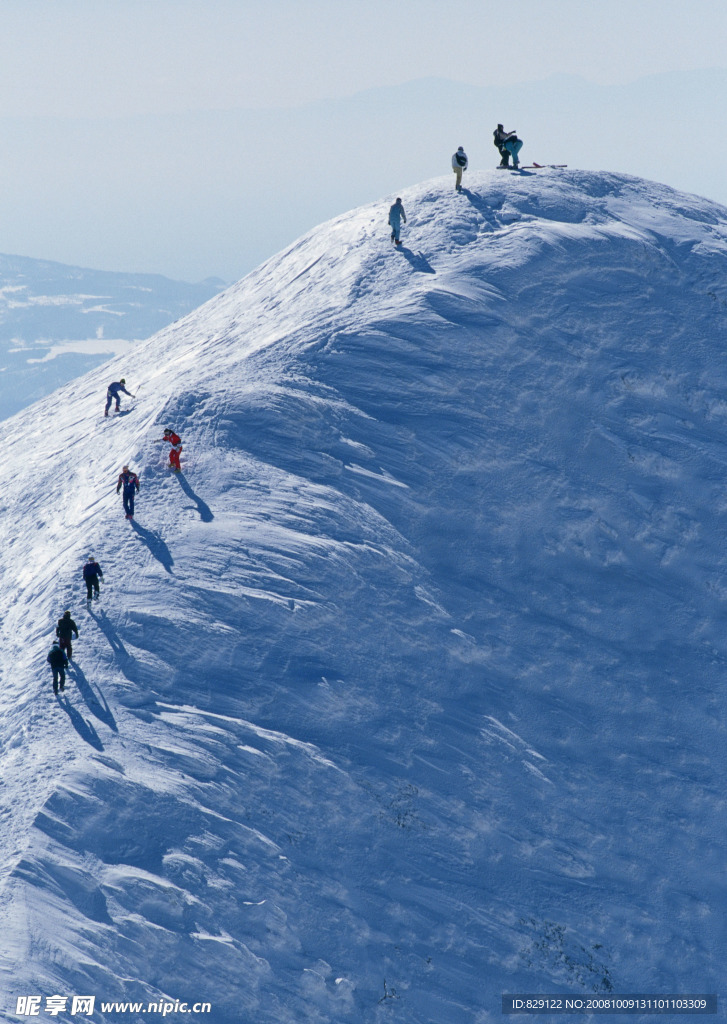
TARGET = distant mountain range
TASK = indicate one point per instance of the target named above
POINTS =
(219, 191)
(57, 322)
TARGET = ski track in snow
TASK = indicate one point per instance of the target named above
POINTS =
(408, 690)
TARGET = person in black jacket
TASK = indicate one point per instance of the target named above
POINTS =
(58, 663)
(509, 145)
(91, 574)
(64, 631)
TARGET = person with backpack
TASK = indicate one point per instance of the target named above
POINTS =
(176, 447)
(58, 663)
(130, 482)
(459, 164)
(64, 631)
(508, 145)
(114, 393)
(396, 216)
(91, 574)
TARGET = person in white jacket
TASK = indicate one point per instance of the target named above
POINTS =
(459, 164)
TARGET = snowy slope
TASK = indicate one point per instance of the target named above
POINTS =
(408, 692)
(57, 322)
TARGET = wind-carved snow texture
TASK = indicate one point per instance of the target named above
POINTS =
(409, 690)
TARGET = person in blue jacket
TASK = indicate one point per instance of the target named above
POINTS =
(114, 393)
(396, 216)
(130, 482)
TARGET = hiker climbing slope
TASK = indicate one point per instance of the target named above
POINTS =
(114, 394)
(59, 663)
(65, 630)
(176, 447)
(396, 216)
(130, 483)
(91, 575)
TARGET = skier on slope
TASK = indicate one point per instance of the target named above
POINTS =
(114, 393)
(459, 164)
(176, 447)
(58, 663)
(509, 145)
(396, 216)
(64, 631)
(130, 482)
(91, 574)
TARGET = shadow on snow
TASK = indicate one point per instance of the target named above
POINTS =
(83, 727)
(125, 661)
(205, 513)
(103, 623)
(418, 261)
(155, 544)
(97, 705)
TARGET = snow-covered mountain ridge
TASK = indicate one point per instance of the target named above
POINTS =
(409, 690)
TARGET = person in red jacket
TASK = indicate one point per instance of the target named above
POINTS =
(176, 442)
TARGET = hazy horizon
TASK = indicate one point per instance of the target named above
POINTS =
(195, 140)
(213, 193)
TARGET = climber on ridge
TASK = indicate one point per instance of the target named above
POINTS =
(176, 447)
(396, 216)
(114, 393)
(130, 482)
(459, 164)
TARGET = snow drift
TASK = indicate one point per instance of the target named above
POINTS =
(408, 691)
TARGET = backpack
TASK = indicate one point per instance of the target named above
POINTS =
(461, 158)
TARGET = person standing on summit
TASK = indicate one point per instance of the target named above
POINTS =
(509, 145)
(114, 393)
(396, 216)
(459, 164)
(130, 482)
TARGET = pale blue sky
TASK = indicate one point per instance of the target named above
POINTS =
(117, 57)
(112, 159)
